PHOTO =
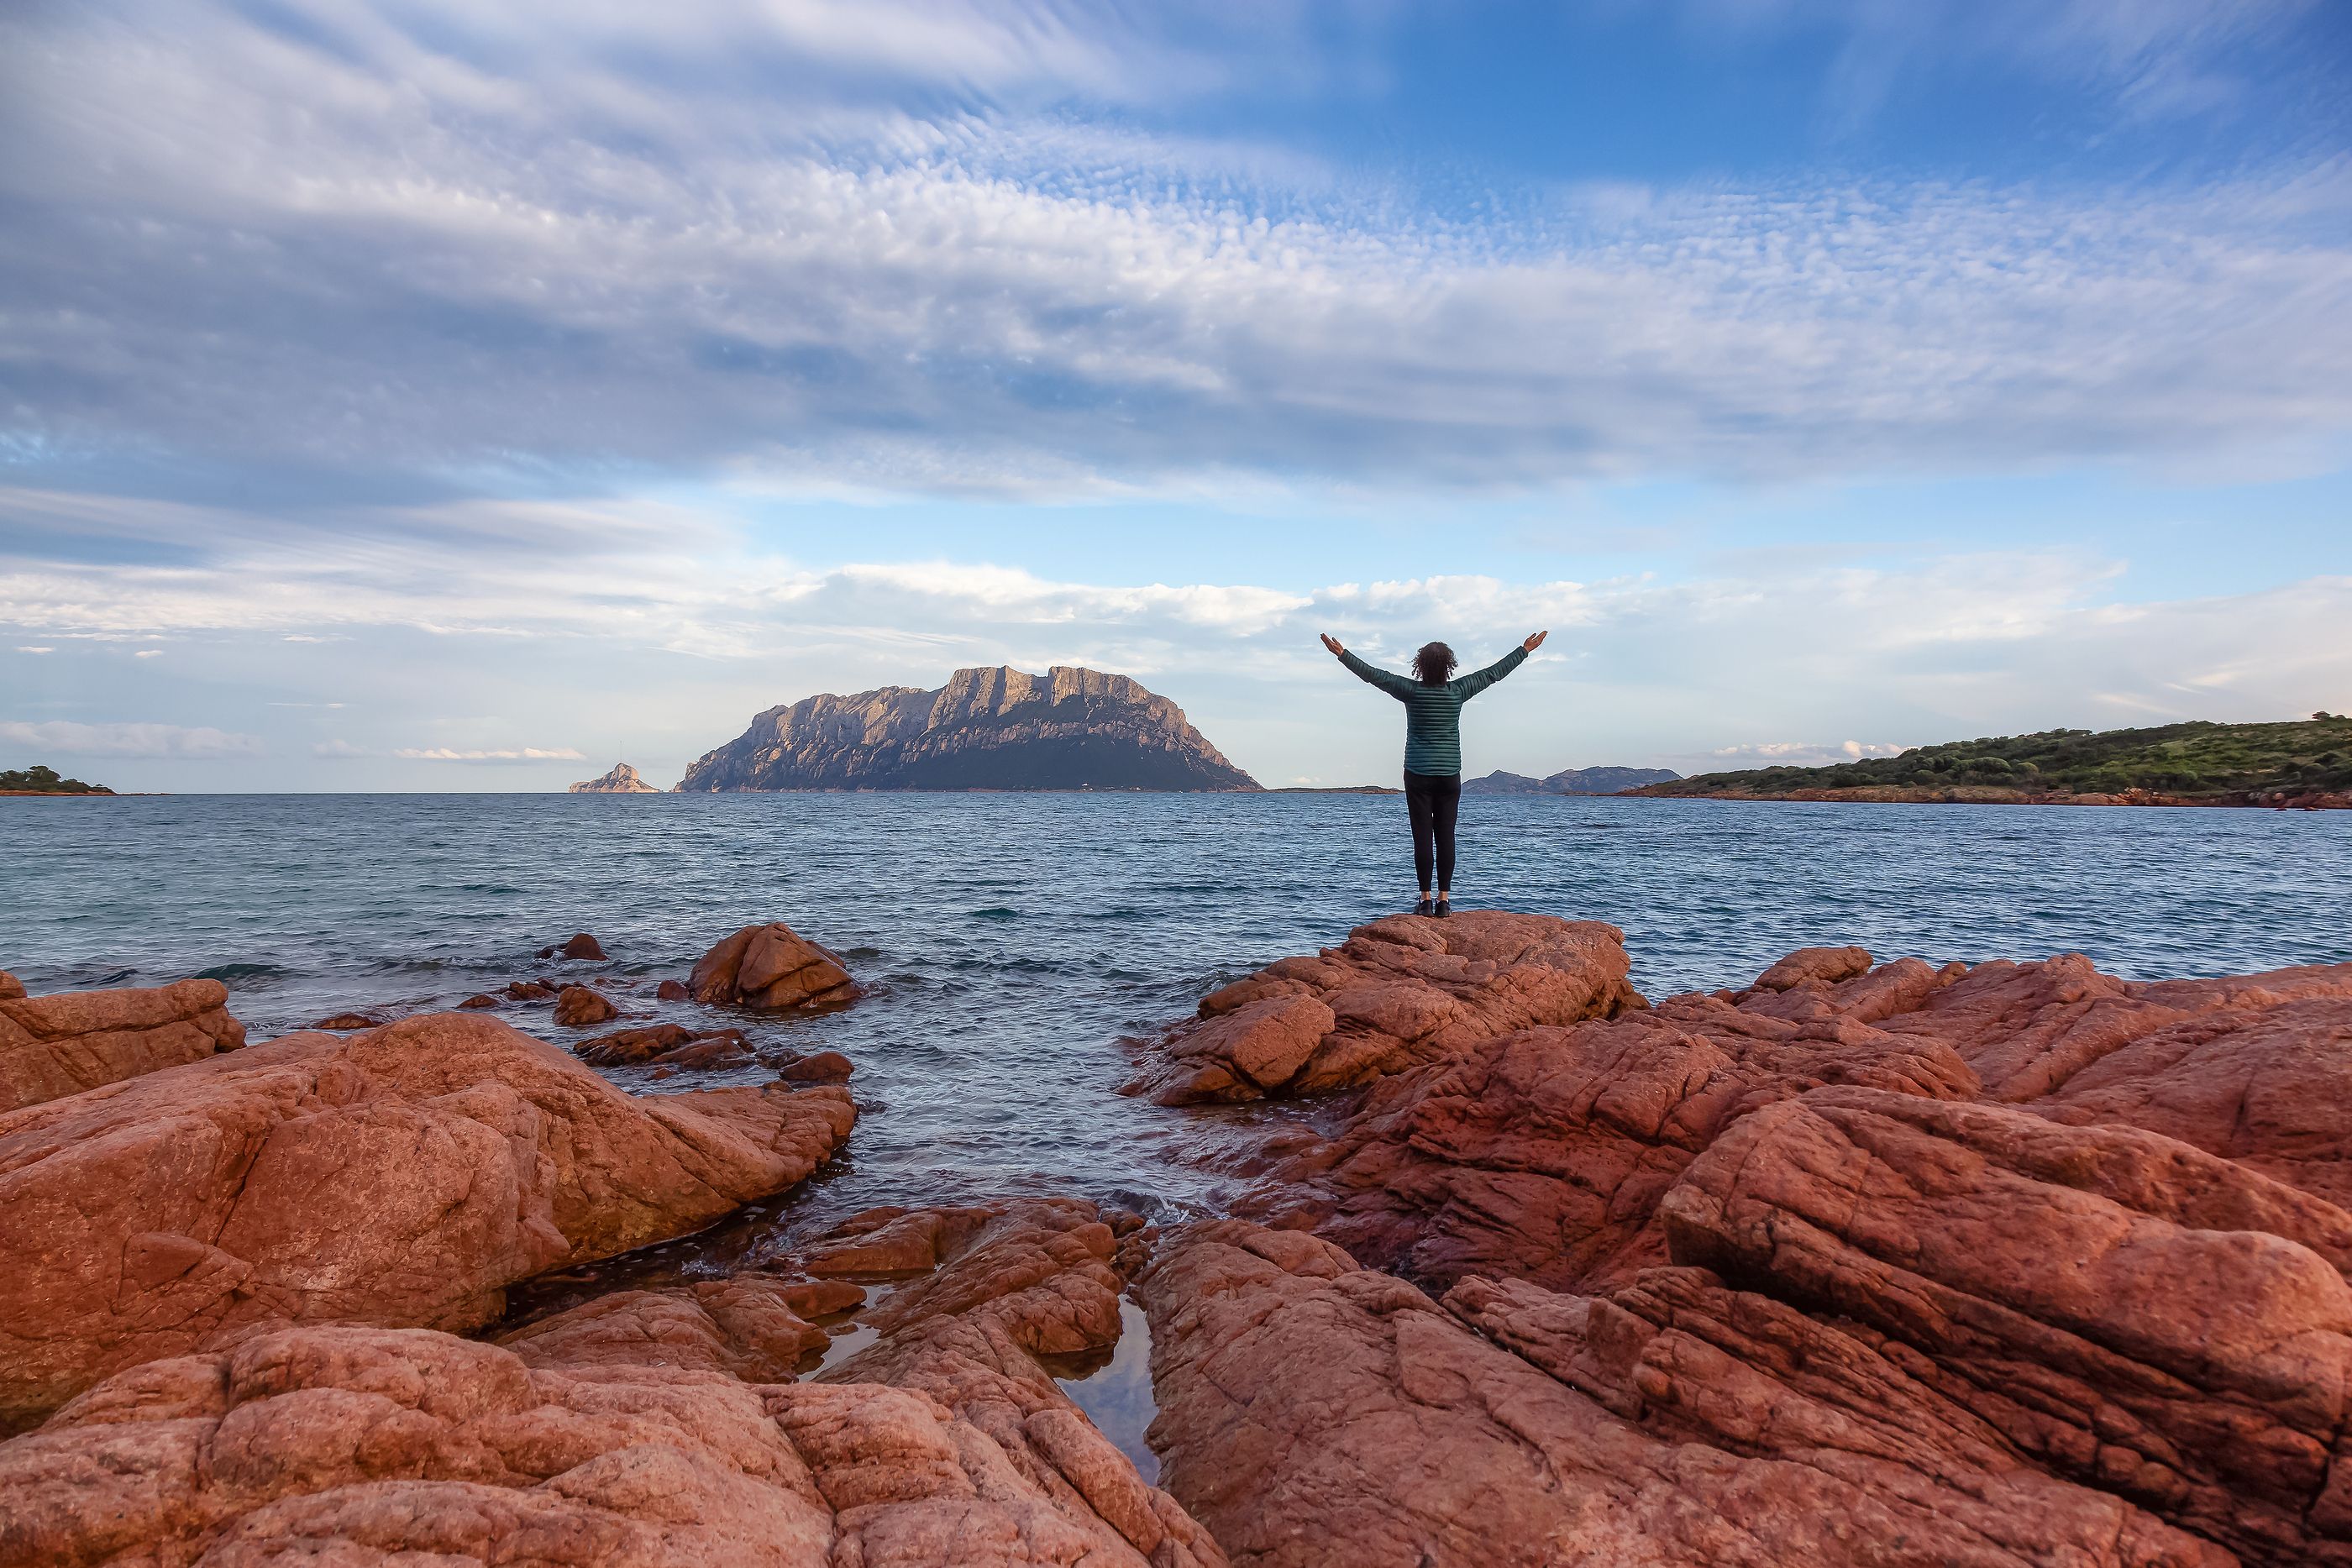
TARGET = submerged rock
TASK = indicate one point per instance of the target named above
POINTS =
(61, 1044)
(1400, 993)
(405, 1175)
(578, 1006)
(772, 968)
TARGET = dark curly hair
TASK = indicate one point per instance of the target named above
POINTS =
(1433, 665)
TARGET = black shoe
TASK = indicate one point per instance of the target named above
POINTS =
(1421, 908)
(1445, 909)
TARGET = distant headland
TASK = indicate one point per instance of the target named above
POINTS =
(41, 779)
(1571, 781)
(997, 729)
(2304, 763)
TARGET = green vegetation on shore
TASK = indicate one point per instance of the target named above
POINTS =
(42, 779)
(2197, 762)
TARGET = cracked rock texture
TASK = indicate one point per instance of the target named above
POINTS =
(1858, 1264)
(1400, 993)
(401, 1177)
(62, 1044)
(644, 1427)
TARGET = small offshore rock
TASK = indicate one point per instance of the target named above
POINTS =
(480, 999)
(576, 1006)
(824, 1066)
(773, 968)
(346, 1023)
(528, 991)
(673, 991)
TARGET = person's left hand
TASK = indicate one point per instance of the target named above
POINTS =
(1333, 644)
(1535, 641)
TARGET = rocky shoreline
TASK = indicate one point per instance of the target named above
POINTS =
(1859, 1262)
(1993, 795)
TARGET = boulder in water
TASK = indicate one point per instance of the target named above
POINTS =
(577, 1007)
(772, 968)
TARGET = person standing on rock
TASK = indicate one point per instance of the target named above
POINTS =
(1433, 702)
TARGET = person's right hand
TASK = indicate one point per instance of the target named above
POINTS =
(1333, 644)
(1535, 641)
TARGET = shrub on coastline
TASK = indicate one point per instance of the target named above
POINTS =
(42, 779)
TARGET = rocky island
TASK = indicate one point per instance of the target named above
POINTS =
(622, 780)
(997, 728)
(2304, 763)
(42, 779)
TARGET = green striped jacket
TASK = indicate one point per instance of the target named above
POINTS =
(1432, 714)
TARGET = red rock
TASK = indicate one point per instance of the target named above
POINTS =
(2268, 1088)
(480, 999)
(11, 987)
(2120, 1308)
(1009, 1283)
(714, 1051)
(528, 991)
(577, 1007)
(746, 1326)
(1314, 1412)
(624, 1047)
(345, 1023)
(1817, 966)
(1400, 993)
(583, 946)
(62, 1044)
(824, 1066)
(1542, 1154)
(364, 1445)
(405, 1175)
(772, 968)
(673, 991)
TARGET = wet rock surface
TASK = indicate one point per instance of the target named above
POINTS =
(58, 1045)
(1400, 993)
(771, 968)
(402, 1175)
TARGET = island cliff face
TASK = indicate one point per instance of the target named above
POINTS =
(999, 728)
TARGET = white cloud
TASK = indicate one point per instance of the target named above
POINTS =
(518, 754)
(1810, 753)
(155, 740)
(147, 653)
(44, 649)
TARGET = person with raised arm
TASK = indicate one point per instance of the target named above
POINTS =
(1432, 697)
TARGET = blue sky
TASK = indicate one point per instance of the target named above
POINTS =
(421, 396)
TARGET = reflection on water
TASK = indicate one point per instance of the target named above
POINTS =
(1115, 1388)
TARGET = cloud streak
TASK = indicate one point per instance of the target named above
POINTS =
(473, 257)
(176, 742)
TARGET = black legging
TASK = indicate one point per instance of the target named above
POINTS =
(1432, 799)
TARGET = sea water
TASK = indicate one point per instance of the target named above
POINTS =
(1013, 945)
